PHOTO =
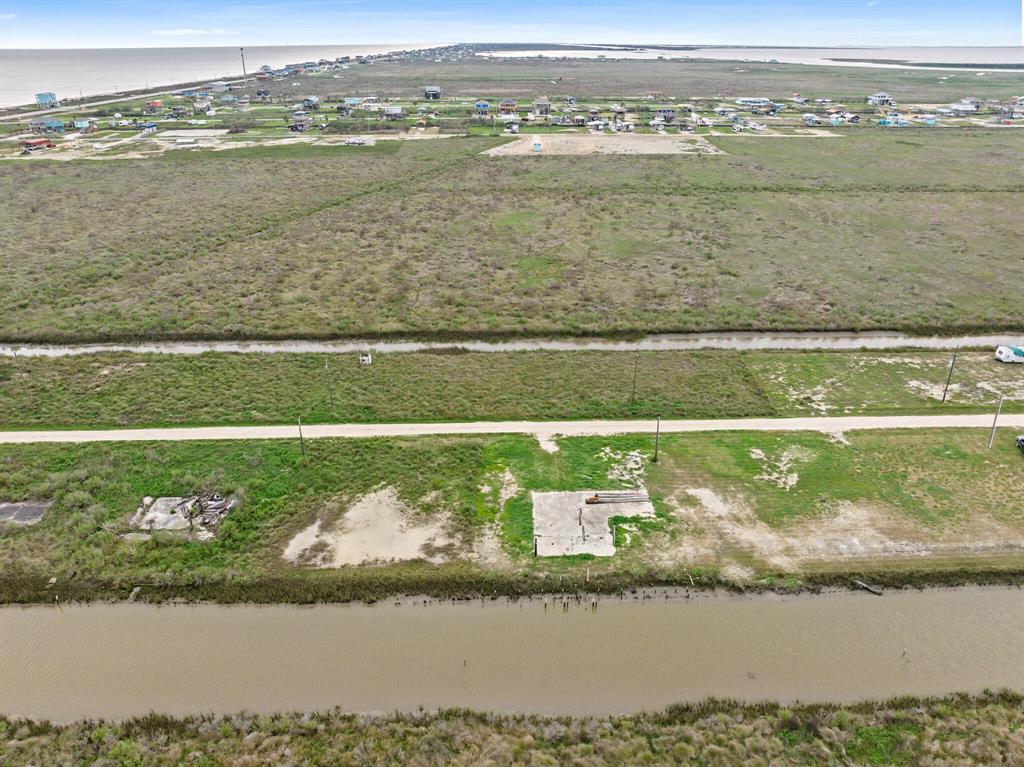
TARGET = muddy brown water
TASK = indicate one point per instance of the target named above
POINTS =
(116, 661)
(739, 341)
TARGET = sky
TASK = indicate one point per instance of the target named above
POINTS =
(156, 23)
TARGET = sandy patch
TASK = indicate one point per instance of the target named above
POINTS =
(727, 531)
(547, 443)
(376, 529)
(604, 143)
(627, 468)
(780, 470)
(488, 549)
(734, 522)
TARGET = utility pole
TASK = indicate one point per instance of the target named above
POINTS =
(302, 443)
(992, 436)
(949, 378)
(636, 364)
(245, 77)
(657, 438)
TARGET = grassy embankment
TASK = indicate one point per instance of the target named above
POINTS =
(956, 730)
(122, 389)
(910, 507)
(915, 231)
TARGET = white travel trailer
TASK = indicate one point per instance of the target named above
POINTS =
(1010, 354)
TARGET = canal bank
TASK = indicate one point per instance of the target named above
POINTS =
(538, 656)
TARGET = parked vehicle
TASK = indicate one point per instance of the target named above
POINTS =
(1010, 354)
(1020, 442)
(355, 141)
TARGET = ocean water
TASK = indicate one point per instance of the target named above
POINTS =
(71, 73)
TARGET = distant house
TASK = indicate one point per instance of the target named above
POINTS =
(47, 99)
(86, 125)
(541, 107)
(432, 93)
(570, 100)
(46, 126)
(965, 107)
(753, 101)
(311, 102)
(481, 107)
(668, 115)
(218, 87)
(881, 99)
(508, 107)
(798, 99)
(148, 127)
(394, 113)
(227, 98)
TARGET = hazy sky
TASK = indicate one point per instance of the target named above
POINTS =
(129, 23)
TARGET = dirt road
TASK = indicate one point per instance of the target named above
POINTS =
(543, 430)
(737, 341)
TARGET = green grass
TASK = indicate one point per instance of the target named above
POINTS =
(925, 485)
(970, 731)
(123, 389)
(413, 238)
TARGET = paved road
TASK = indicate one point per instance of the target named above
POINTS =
(542, 429)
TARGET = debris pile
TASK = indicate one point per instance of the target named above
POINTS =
(618, 498)
(197, 515)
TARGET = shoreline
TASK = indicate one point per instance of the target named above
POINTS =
(366, 587)
(25, 110)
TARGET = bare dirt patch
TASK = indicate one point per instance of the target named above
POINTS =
(602, 144)
(488, 549)
(376, 529)
(725, 530)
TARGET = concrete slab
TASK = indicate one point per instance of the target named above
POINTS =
(564, 524)
(23, 512)
(169, 513)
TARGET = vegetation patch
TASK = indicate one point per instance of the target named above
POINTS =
(957, 730)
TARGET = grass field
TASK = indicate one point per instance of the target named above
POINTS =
(916, 230)
(753, 509)
(122, 389)
(956, 730)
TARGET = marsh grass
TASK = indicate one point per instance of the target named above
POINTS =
(314, 241)
(961, 730)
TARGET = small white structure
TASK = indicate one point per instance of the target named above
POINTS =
(1010, 354)
(365, 358)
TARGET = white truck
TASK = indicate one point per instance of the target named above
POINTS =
(1010, 354)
